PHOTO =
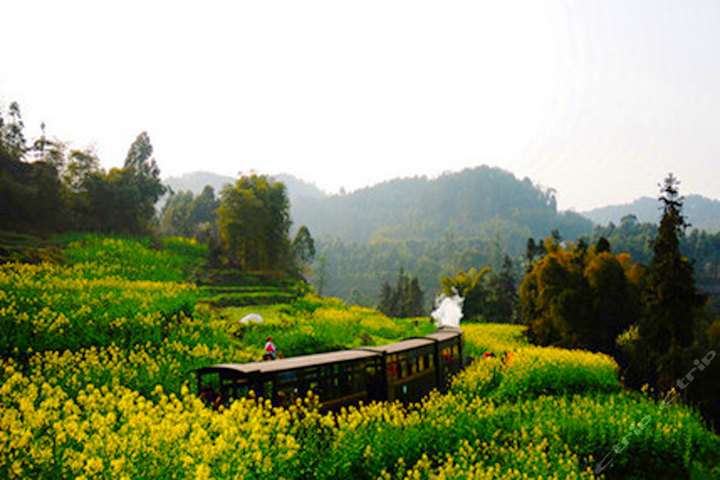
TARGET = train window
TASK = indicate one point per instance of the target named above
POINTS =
(393, 368)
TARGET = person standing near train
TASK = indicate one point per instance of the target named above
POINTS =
(270, 350)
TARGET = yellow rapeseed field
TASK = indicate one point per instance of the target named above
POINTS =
(96, 382)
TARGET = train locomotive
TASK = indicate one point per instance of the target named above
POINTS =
(405, 371)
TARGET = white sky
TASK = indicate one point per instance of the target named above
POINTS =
(598, 99)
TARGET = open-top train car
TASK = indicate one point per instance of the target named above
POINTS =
(404, 371)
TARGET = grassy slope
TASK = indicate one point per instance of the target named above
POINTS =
(97, 353)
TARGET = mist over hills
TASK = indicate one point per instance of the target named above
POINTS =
(196, 181)
(472, 202)
(431, 227)
(478, 202)
(703, 213)
(481, 201)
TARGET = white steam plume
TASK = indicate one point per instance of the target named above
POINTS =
(448, 311)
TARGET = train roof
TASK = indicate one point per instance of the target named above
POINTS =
(445, 333)
(401, 346)
(308, 361)
(292, 363)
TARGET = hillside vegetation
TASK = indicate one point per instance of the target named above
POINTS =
(430, 227)
(465, 203)
(96, 383)
(703, 213)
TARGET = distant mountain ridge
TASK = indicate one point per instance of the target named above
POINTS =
(475, 202)
(703, 213)
(196, 181)
(480, 202)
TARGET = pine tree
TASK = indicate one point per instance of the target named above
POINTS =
(404, 300)
(671, 298)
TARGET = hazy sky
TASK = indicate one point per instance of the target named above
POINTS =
(598, 99)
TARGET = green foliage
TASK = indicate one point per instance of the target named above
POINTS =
(470, 286)
(191, 216)
(502, 301)
(304, 246)
(432, 228)
(538, 411)
(471, 203)
(313, 324)
(404, 300)
(61, 191)
(486, 296)
(132, 258)
(254, 223)
(31, 195)
(111, 291)
(671, 298)
(580, 298)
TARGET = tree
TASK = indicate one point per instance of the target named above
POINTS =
(204, 207)
(144, 187)
(31, 195)
(175, 218)
(80, 165)
(471, 287)
(12, 136)
(602, 245)
(254, 221)
(405, 300)
(502, 301)
(580, 298)
(304, 246)
(672, 300)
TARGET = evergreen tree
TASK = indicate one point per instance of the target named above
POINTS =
(405, 300)
(143, 186)
(671, 298)
(503, 296)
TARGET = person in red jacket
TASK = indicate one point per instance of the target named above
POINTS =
(270, 351)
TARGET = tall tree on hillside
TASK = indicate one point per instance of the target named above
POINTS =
(12, 136)
(143, 175)
(671, 297)
(304, 246)
(175, 219)
(204, 206)
(31, 195)
(502, 301)
(303, 251)
(254, 222)
(79, 166)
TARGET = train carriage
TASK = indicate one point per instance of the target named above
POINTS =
(404, 371)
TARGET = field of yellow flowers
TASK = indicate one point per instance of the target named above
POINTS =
(95, 373)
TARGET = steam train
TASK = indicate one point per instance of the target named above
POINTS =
(404, 371)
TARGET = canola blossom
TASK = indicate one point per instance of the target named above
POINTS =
(96, 382)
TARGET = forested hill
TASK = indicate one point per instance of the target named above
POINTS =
(702, 212)
(196, 181)
(477, 202)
